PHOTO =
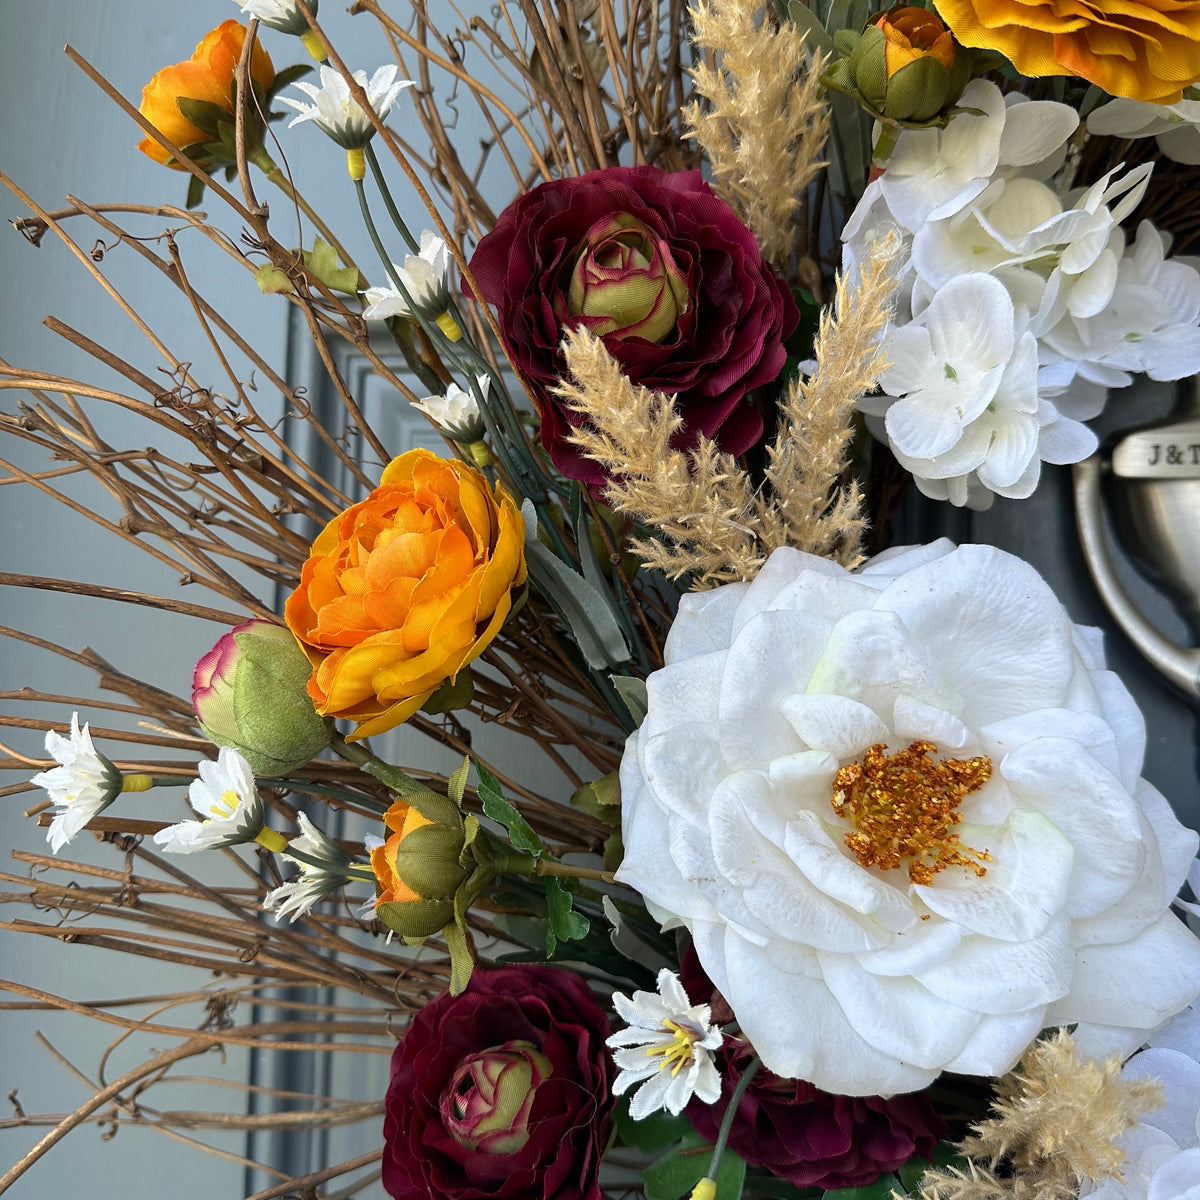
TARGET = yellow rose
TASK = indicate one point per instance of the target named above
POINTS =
(404, 589)
(1143, 49)
(208, 77)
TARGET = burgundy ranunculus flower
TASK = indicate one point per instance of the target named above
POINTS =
(664, 271)
(504, 1092)
(809, 1137)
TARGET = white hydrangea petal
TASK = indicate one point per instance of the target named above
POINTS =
(1034, 130)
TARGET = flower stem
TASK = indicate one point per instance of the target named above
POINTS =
(546, 867)
(137, 782)
(888, 135)
(393, 212)
(393, 777)
(714, 1163)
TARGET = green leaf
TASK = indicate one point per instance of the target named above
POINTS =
(676, 1173)
(587, 612)
(520, 832)
(454, 693)
(945, 1154)
(204, 114)
(566, 925)
(288, 76)
(632, 691)
(653, 1133)
(195, 192)
(322, 261)
(272, 281)
(601, 798)
(808, 22)
(881, 1189)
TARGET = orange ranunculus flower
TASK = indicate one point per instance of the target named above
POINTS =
(206, 76)
(1143, 49)
(404, 589)
(914, 33)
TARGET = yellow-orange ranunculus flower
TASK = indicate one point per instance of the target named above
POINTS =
(1144, 49)
(914, 33)
(404, 589)
(206, 76)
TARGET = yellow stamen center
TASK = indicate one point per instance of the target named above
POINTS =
(903, 806)
(678, 1053)
(227, 805)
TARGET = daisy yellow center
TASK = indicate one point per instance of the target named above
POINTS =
(677, 1053)
(227, 805)
(903, 806)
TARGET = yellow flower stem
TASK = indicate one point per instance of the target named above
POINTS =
(275, 842)
(276, 175)
(480, 454)
(137, 783)
(355, 163)
(314, 45)
(706, 1189)
(450, 327)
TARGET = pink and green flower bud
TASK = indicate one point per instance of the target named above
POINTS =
(625, 282)
(904, 67)
(250, 693)
(487, 1106)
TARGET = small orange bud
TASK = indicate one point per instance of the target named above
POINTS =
(914, 33)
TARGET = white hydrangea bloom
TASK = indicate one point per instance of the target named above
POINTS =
(82, 785)
(226, 799)
(667, 1049)
(1175, 126)
(842, 969)
(1151, 323)
(973, 206)
(426, 276)
(457, 412)
(960, 397)
(297, 896)
(1163, 1149)
(337, 113)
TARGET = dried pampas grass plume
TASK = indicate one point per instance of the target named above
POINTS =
(1054, 1124)
(709, 521)
(765, 124)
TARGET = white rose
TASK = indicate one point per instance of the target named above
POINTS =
(870, 980)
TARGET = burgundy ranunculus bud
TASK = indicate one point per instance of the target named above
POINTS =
(664, 272)
(809, 1137)
(503, 1092)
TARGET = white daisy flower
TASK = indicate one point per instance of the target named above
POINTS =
(284, 15)
(338, 113)
(457, 412)
(296, 897)
(667, 1048)
(426, 278)
(228, 803)
(82, 785)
